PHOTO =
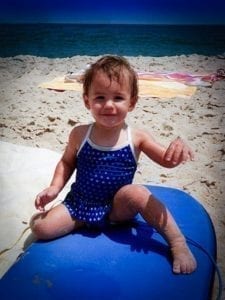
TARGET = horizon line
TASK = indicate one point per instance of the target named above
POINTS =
(109, 23)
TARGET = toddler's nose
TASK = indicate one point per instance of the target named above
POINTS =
(109, 103)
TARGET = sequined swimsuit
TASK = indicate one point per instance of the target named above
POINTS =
(101, 172)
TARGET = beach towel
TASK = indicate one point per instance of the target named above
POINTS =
(159, 88)
(186, 78)
(165, 89)
(17, 193)
(152, 84)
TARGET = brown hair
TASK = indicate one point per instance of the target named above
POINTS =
(112, 66)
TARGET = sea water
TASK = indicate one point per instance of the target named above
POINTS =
(67, 40)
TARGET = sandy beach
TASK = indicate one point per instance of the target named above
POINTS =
(41, 118)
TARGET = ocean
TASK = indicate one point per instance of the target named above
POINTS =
(67, 40)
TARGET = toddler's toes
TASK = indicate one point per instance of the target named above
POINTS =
(176, 267)
(183, 260)
(183, 266)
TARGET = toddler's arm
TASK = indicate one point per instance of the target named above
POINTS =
(178, 151)
(63, 171)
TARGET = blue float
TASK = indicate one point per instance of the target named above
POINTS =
(127, 262)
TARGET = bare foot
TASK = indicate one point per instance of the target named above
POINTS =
(183, 260)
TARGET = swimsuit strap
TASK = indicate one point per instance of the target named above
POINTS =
(130, 141)
(86, 137)
(129, 137)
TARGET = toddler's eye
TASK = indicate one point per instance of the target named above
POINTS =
(100, 98)
(118, 98)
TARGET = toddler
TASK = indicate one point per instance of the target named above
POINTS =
(105, 155)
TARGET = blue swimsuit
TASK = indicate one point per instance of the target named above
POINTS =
(101, 172)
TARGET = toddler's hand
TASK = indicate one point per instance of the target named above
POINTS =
(45, 197)
(178, 152)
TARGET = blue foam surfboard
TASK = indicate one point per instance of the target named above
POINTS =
(118, 262)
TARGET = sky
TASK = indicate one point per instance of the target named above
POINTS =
(111, 12)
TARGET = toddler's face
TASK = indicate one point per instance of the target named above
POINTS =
(109, 101)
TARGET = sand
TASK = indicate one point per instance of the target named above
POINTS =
(40, 118)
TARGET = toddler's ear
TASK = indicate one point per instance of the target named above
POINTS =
(86, 101)
(133, 102)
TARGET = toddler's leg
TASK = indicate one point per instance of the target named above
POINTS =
(53, 223)
(133, 199)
